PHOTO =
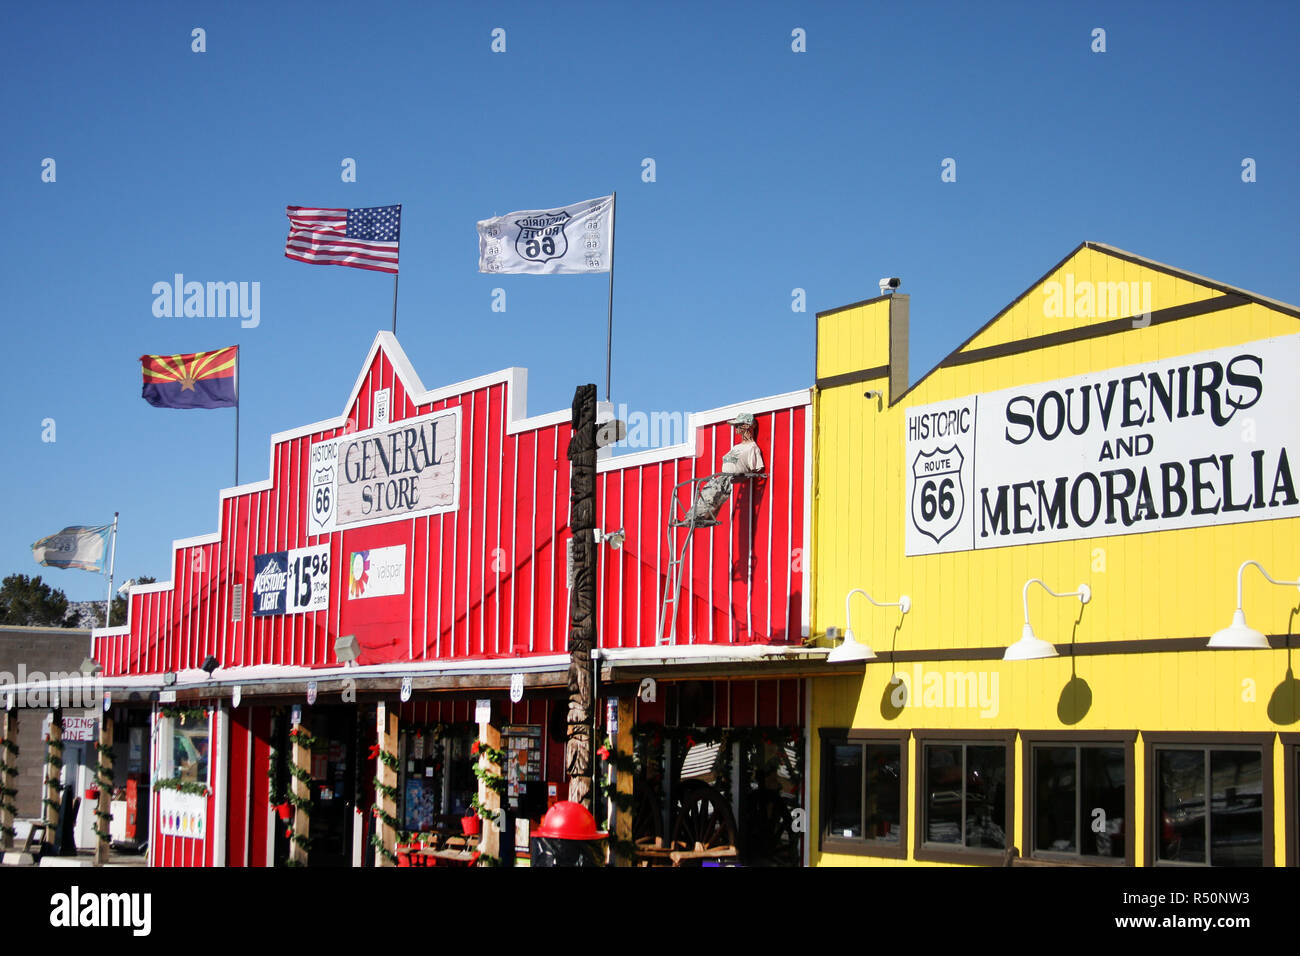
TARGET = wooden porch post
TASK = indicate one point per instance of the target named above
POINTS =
(388, 742)
(53, 767)
(8, 776)
(301, 762)
(623, 745)
(489, 799)
(104, 784)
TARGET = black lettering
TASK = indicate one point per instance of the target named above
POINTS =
(1105, 405)
(997, 515)
(1132, 401)
(1199, 486)
(1226, 468)
(1164, 396)
(1170, 487)
(1085, 397)
(352, 473)
(1023, 419)
(1096, 499)
(1238, 379)
(1023, 508)
(1060, 415)
(1283, 483)
(1121, 497)
(1208, 390)
(1053, 508)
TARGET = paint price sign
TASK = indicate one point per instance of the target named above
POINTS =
(292, 582)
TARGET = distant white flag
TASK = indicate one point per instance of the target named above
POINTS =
(78, 546)
(570, 240)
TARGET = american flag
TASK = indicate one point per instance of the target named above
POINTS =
(360, 238)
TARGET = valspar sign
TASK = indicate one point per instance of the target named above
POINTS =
(387, 473)
(1204, 439)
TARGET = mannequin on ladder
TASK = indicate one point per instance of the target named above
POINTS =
(744, 458)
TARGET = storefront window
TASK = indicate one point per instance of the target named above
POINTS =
(1079, 800)
(1211, 806)
(184, 750)
(862, 794)
(965, 795)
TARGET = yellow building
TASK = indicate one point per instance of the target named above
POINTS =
(1125, 434)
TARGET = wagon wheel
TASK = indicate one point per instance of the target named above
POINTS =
(703, 818)
(769, 830)
(647, 821)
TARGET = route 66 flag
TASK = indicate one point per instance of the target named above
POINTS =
(570, 240)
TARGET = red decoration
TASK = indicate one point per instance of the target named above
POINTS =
(374, 751)
(474, 748)
(283, 810)
(288, 832)
(603, 752)
(690, 741)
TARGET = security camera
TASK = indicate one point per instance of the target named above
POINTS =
(871, 394)
(889, 284)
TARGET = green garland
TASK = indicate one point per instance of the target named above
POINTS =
(175, 711)
(104, 783)
(390, 761)
(12, 747)
(622, 763)
(182, 786)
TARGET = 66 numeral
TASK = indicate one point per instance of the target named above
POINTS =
(943, 503)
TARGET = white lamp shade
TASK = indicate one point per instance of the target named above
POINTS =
(850, 650)
(1240, 636)
(1029, 648)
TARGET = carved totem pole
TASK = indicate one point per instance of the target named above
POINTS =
(582, 597)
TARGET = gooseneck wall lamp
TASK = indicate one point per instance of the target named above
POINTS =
(850, 649)
(1237, 634)
(1030, 647)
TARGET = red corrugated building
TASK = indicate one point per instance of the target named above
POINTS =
(427, 528)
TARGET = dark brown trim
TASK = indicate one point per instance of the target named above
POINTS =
(742, 670)
(855, 305)
(1120, 254)
(1192, 277)
(940, 853)
(1152, 645)
(1093, 331)
(1291, 817)
(1121, 738)
(827, 843)
(1197, 741)
(851, 378)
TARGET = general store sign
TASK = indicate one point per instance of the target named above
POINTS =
(385, 474)
(1204, 439)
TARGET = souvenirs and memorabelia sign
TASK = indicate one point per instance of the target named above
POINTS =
(291, 582)
(384, 474)
(1186, 442)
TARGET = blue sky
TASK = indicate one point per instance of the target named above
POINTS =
(775, 170)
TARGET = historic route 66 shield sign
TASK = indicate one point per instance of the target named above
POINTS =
(541, 238)
(938, 500)
(516, 688)
(406, 689)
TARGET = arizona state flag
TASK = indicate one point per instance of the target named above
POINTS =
(198, 380)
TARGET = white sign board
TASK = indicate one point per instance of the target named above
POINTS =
(378, 572)
(1204, 439)
(385, 473)
(78, 728)
(182, 814)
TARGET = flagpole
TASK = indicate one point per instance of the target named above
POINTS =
(394, 303)
(237, 350)
(108, 600)
(609, 333)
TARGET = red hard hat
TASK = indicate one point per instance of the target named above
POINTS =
(569, 821)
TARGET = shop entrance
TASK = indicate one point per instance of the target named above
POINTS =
(333, 782)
